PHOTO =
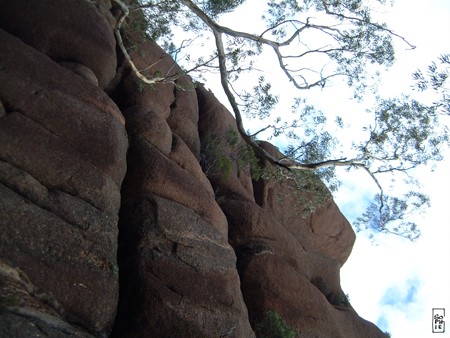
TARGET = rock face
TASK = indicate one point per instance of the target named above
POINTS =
(178, 273)
(287, 263)
(125, 211)
(62, 160)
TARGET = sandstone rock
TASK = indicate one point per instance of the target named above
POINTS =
(21, 325)
(156, 97)
(27, 311)
(178, 273)
(2, 110)
(284, 272)
(144, 123)
(330, 233)
(186, 160)
(271, 284)
(174, 100)
(325, 231)
(77, 31)
(51, 103)
(63, 155)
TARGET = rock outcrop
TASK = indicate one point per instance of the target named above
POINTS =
(287, 263)
(178, 272)
(131, 211)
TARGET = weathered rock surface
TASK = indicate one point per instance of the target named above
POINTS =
(77, 31)
(129, 210)
(62, 160)
(287, 263)
(178, 272)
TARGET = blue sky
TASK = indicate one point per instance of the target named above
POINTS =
(400, 297)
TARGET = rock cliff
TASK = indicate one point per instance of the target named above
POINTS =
(127, 210)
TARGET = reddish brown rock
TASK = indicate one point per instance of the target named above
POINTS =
(64, 107)
(82, 71)
(178, 272)
(146, 124)
(288, 262)
(149, 171)
(325, 231)
(218, 132)
(183, 119)
(132, 92)
(178, 275)
(76, 31)
(62, 161)
(2, 110)
(63, 155)
(270, 283)
(174, 100)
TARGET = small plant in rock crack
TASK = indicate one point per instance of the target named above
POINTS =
(340, 299)
(273, 326)
(213, 158)
(304, 188)
(220, 154)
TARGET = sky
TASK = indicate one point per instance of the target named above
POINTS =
(391, 281)
(396, 283)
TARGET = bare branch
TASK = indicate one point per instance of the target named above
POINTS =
(137, 72)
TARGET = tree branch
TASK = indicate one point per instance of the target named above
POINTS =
(125, 12)
(378, 26)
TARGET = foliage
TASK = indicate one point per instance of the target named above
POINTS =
(436, 78)
(156, 19)
(217, 7)
(340, 299)
(313, 43)
(306, 189)
(406, 134)
(387, 214)
(273, 326)
(219, 154)
(214, 160)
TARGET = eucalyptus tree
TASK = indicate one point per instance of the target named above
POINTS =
(313, 43)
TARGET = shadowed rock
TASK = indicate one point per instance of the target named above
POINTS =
(62, 161)
(76, 31)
